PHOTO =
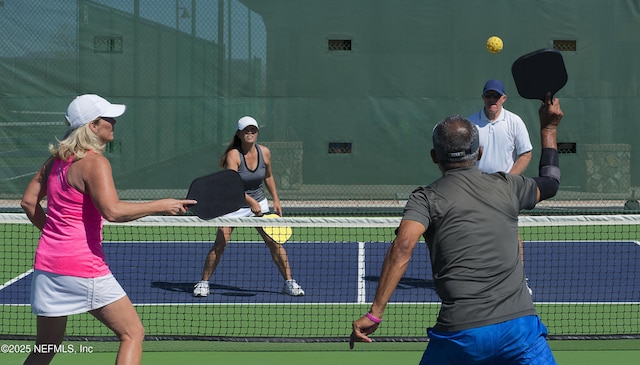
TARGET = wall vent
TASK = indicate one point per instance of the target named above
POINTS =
(340, 147)
(567, 147)
(107, 44)
(339, 45)
(565, 45)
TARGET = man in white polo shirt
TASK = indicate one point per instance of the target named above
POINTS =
(503, 135)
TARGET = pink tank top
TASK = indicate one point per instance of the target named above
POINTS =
(71, 241)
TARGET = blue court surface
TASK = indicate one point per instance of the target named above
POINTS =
(164, 273)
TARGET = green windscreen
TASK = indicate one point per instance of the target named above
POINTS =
(346, 92)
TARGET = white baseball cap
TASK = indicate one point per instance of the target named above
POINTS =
(244, 122)
(88, 107)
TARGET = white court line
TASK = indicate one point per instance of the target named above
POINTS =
(362, 272)
(12, 281)
(348, 303)
(267, 304)
(637, 243)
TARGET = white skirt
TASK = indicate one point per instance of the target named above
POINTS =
(54, 295)
(246, 212)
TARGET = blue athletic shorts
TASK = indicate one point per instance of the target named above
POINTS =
(518, 341)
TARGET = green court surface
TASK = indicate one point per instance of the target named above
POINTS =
(565, 352)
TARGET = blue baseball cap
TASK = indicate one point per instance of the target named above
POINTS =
(494, 85)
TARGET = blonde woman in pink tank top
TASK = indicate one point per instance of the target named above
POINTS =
(69, 265)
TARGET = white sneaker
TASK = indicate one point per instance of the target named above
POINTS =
(201, 289)
(526, 280)
(292, 288)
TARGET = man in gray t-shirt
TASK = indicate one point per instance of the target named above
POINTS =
(467, 298)
(469, 220)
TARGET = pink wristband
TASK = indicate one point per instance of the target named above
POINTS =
(373, 319)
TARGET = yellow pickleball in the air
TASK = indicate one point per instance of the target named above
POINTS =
(494, 44)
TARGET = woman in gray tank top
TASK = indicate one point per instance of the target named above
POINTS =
(253, 163)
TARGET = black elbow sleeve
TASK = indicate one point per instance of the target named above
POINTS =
(548, 180)
(548, 187)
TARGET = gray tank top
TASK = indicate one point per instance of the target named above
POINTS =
(253, 179)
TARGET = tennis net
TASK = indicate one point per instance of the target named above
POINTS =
(584, 272)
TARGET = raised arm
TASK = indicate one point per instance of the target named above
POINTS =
(548, 179)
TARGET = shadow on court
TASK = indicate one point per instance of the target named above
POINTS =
(226, 290)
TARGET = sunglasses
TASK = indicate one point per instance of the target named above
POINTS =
(492, 95)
